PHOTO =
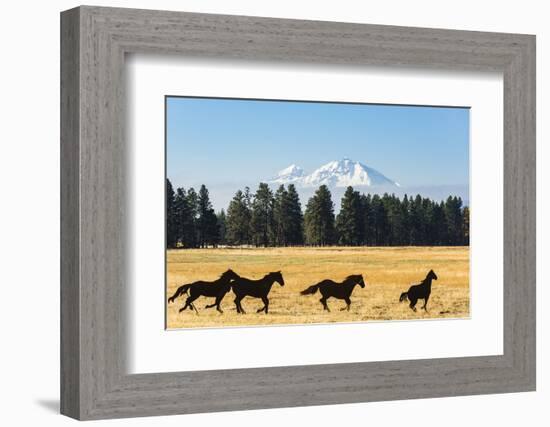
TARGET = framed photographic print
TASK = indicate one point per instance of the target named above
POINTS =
(349, 208)
(243, 229)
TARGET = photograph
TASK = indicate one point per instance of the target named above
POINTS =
(299, 212)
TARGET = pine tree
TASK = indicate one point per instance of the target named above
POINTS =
(222, 227)
(418, 221)
(405, 217)
(427, 226)
(466, 226)
(212, 228)
(287, 217)
(379, 221)
(171, 226)
(366, 203)
(319, 218)
(238, 220)
(180, 212)
(453, 218)
(395, 220)
(248, 198)
(262, 216)
(295, 228)
(350, 223)
(438, 225)
(204, 207)
(189, 213)
(281, 217)
(207, 222)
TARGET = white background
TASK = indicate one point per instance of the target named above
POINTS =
(154, 350)
(29, 225)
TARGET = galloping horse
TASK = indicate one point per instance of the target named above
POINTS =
(243, 287)
(420, 291)
(337, 290)
(218, 288)
(219, 298)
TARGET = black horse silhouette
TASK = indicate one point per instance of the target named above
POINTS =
(420, 291)
(219, 298)
(243, 287)
(218, 288)
(342, 290)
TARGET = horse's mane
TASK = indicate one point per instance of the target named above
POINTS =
(226, 273)
(352, 276)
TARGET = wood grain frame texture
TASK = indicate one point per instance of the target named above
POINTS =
(94, 42)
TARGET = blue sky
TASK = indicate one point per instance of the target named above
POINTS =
(230, 142)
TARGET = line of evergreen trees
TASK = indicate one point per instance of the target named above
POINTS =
(268, 218)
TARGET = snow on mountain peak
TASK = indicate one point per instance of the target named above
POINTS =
(336, 173)
(289, 174)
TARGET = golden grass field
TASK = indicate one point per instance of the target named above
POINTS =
(387, 271)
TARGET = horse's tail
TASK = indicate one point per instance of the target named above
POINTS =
(309, 291)
(183, 289)
(404, 296)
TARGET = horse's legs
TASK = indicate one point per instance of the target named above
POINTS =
(413, 303)
(348, 303)
(218, 305)
(189, 303)
(240, 308)
(426, 303)
(324, 302)
(264, 308)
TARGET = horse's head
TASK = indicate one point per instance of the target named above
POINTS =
(357, 279)
(230, 275)
(277, 276)
(431, 275)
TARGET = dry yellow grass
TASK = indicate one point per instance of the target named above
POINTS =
(387, 273)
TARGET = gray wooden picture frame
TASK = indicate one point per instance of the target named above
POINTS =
(94, 381)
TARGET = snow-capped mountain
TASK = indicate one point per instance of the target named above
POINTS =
(291, 174)
(340, 173)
